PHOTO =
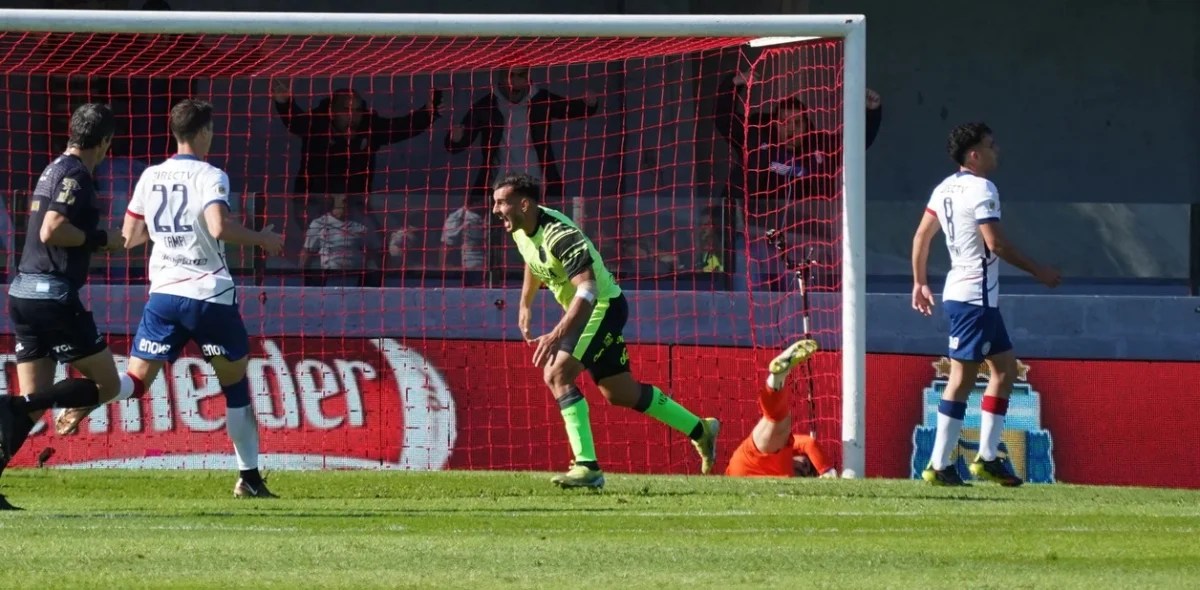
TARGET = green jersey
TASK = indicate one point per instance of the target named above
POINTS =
(557, 251)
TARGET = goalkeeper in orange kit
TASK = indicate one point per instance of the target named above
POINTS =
(772, 450)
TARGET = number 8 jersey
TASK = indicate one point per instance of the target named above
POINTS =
(962, 203)
(187, 260)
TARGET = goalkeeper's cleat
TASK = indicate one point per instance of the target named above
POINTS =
(579, 476)
(996, 471)
(791, 356)
(68, 421)
(244, 489)
(706, 445)
(831, 474)
(943, 477)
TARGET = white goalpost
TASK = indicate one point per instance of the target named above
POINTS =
(766, 29)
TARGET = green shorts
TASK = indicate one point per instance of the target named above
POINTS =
(600, 345)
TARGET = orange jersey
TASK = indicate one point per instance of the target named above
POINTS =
(748, 461)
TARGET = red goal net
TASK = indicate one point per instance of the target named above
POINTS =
(385, 335)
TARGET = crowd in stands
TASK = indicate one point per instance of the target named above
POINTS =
(340, 232)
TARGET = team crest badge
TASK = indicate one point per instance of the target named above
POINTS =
(1024, 445)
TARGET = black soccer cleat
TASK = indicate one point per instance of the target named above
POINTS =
(4, 505)
(7, 431)
(244, 489)
(997, 471)
(943, 477)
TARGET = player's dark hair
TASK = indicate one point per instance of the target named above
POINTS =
(964, 138)
(521, 185)
(91, 124)
(189, 117)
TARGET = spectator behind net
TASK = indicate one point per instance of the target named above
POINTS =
(783, 156)
(512, 122)
(706, 255)
(404, 248)
(462, 236)
(339, 242)
(341, 135)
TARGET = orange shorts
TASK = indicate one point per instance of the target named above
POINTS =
(748, 461)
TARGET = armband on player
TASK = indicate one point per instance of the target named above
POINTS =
(96, 239)
(585, 293)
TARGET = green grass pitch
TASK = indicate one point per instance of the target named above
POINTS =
(133, 529)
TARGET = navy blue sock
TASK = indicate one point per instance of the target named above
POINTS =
(953, 409)
(237, 395)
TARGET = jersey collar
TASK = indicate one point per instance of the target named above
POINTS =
(185, 157)
(541, 214)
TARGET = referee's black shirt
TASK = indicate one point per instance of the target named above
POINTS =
(67, 187)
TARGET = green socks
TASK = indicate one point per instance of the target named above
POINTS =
(652, 402)
(656, 404)
(574, 409)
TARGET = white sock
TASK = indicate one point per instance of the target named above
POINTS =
(775, 382)
(991, 426)
(946, 440)
(126, 388)
(242, 427)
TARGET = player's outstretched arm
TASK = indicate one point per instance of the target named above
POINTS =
(463, 134)
(728, 115)
(922, 297)
(398, 129)
(296, 121)
(562, 107)
(225, 229)
(998, 243)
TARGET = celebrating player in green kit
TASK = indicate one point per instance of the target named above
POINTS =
(588, 336)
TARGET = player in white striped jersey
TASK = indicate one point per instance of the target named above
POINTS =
(182, 205)
(187, 261)
(966, 206)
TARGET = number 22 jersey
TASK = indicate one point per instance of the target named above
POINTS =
(187, 260)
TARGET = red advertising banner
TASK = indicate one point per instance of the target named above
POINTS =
(321, 403)
(1112, 422)
(350, 403)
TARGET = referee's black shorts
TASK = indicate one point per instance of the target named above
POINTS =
(64, 331)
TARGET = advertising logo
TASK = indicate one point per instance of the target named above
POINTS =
(1024, 444)
(321, 403)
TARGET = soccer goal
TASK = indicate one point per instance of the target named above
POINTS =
(385, 336)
